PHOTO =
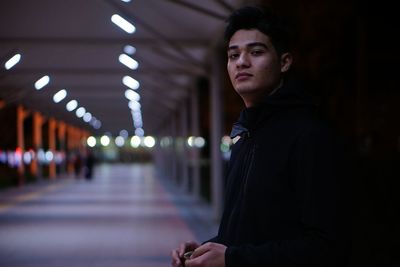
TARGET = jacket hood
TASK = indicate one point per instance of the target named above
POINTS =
(291, 95)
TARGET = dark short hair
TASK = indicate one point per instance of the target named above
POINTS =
(262, 19)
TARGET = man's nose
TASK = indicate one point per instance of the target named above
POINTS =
(243, 61)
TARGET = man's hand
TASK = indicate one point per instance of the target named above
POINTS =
(177, 254)
(207, 255)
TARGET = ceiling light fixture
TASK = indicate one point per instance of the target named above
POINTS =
(130, 50)
(139, 132)
(135, 141)
(132, 95)
(91, 141)
(128, 61)
(105, 140)
(87, 117)
(130, 82)
(123, 23)
(12, 61)
(134, 105)
(119, 141)
(80, 112)
(42, 82)
(71, 105)
(59, 96)
(97, 124)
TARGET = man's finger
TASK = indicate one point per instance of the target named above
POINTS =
(176, 261)
(198, 261)
(200, 250)
(182, 249)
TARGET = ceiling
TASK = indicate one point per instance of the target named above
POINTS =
(75, 43)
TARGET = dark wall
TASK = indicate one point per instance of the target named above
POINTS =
(347, 54)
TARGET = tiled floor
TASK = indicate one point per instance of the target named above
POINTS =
(123, 217)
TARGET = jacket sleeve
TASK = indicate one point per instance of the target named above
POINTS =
(212, 240)
(318, 173)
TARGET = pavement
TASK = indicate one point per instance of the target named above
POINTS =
(125, 216)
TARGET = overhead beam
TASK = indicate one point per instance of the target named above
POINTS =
(165, 77)
(100, 71)
(224, 4)
(160, 102)
(199, 9)
(165, 92)
(100, 41)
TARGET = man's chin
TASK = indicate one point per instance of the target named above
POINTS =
(246, 90)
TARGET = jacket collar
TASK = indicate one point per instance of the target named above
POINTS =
(291, 95)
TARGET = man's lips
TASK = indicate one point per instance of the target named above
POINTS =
(242, 75)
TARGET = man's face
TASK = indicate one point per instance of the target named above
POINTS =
(254, 66)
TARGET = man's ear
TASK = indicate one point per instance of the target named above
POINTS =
(286, 61)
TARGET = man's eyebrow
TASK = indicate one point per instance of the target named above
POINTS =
(257, 44)
(232, 47)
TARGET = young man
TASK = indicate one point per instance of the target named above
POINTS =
(283, 195)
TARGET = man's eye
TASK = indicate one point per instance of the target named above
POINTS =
(257, 52)
(233, 56)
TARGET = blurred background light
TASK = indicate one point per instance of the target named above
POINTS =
(71, 105)
(12, 61)
(130, 50)
(42, 82)
(135, 141)
(123, 23)
(130, 82)
(80, 112)
(128, 61)
(59, 96)
(91, 141)
(105, 140)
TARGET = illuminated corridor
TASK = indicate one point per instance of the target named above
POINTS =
(124, 216)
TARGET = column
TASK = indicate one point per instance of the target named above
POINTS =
(184, 169)
(61, 134)
(195, 130)
(174, 150)
(216, 134)
(52, 147)
(20, 144)
(37, 142)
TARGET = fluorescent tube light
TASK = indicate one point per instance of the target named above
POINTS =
(130, 82)
(42, 82)
(128, 61)
(71, 105)
(12, 61)
(60, 95)
(123, 23)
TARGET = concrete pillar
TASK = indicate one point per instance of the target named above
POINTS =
(174, 149)
(52, 147)
(184, 126)
(37, 121)
(166, 153)
(195, 130)
(61, 135)
(70, 147)
(20, 144)
(216, 134)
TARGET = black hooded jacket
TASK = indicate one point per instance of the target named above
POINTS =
(284, 203)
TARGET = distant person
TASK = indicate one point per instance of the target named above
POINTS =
(89, 164)
(77, 165)
(283, 203)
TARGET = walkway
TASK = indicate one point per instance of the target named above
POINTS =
(123, 217)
